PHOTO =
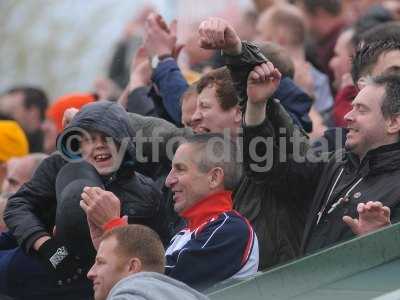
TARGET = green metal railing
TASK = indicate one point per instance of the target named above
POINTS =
(360, 268)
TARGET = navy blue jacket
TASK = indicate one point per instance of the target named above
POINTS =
(163, 98)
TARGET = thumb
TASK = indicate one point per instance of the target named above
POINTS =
(173, 27)
(276, 75)
(352, 223)
(125, 218)
(140, 56)
(177, 50)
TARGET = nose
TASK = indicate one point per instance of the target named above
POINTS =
(171, 179)
(98, 141)
(196, 119)
(91, 274)
(197, 116)
(349, 116)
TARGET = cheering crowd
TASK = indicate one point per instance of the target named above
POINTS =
(276, 137)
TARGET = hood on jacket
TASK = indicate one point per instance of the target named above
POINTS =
(153, 286)
(107, 117)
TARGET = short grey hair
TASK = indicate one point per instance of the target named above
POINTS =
(216, 150)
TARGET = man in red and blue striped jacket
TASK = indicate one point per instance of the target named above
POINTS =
(217, 243)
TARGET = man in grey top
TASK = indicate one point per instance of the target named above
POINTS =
(130, 264)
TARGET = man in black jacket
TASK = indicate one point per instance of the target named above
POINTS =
(344, 192)
(103, 133)
(277, 220)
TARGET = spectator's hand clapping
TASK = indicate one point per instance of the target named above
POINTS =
(99, 205)
(216, 33)
(140, 74)
(372, 216)
(159, 38)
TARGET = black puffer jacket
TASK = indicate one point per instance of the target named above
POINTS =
(30, 213)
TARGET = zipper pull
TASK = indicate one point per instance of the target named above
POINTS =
(319, 214)
(334, 205)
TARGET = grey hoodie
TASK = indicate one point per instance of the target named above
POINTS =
(153, 286)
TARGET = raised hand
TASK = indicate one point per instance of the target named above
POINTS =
(159, 38)
(216, 33)
(99, 205)
(262, 83)
(140, 73)
(371, 216)
(173, 27)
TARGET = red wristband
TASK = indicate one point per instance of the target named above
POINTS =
(113, 223)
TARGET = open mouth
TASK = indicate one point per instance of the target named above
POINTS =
(351, 129)
(202, 130)
(100, 158)
(176, 194)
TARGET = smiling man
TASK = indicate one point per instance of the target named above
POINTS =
(368, 120)
(354, 189)
(217, 106)
(217, 243)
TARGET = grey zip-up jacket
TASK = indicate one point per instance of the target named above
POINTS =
(153, 286)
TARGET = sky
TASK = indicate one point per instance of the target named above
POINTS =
(65, 45)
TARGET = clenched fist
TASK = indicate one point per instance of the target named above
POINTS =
(216, 33)
(262, 83)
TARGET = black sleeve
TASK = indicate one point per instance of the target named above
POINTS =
(118, 71)
(282, 157)
(30, 212)
(140, 102)
(241, 65)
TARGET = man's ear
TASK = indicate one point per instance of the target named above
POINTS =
(216, 178)
(393, 124)
(237, 115)
(134, 265)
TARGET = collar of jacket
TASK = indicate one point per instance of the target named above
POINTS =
(382, 159)
(125, 171)
(207, 209)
